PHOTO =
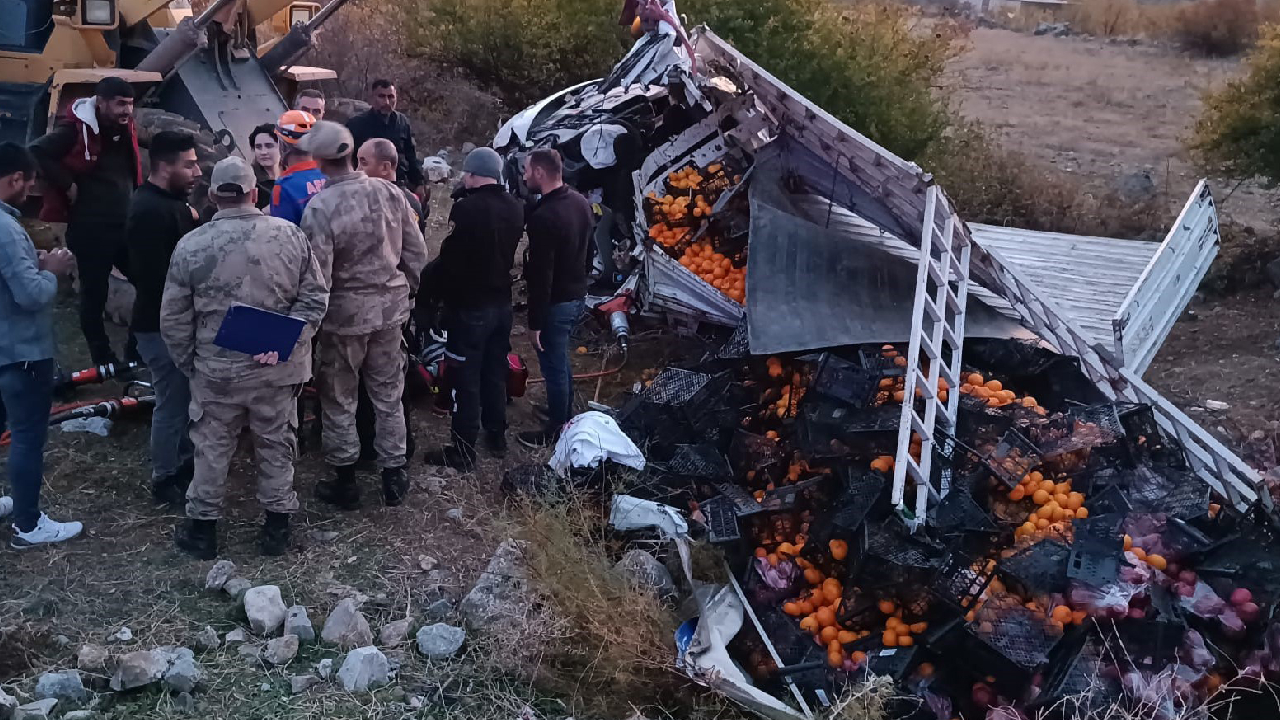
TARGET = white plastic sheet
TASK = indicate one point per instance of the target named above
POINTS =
(591, 438)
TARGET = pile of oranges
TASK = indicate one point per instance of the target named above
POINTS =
(668, 237)
(998, 603)
(716, 270)
(1056, 505)
(688, 178)
(994, 393)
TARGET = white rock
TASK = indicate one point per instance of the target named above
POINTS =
(123, 635)
(364, 668)
(252, 651)
(236, 636)
(207, 640)
(237, 587)
(324, 668)
(92, 658)
(299, 623)
(139, 669)
(644, 572)
(8, 704)
(265, 609)
(347, 627)
(222, 571)
(394, 633)
(500, 597)
(440, 641)
(427, 563)
(282, 650)
(1216, 405)
(80, 715)
(64, 686)
(455, 515)
(299, 684)
(320, 537)
(40, 710)
(183, 673)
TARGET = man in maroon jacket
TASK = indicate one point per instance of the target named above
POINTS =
(90, 166)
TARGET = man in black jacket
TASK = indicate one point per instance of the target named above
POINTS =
(159, 216)
(560, 227)
(382, 120)
(473, 277)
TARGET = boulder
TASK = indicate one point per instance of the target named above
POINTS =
(644, 572)
(347, 627)
(282, 650)
(206, 640)
(64, 686)
(265, 609)
(39, 710)
(183, 673)
(299, 684)
(139, 669)
(123, 635)
(237, 587)
(92, 658)
(236, 636)
(1137, 187)
(501, 595)
(8, 704)
(324, 668)
(297, 622)
(455, 516)
(222, 571)
(364, 668)
(440, 641)
(394, 633)
(439, 611)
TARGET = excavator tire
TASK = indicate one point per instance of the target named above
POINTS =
(209, 151)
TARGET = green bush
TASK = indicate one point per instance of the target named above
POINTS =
(1238, 132)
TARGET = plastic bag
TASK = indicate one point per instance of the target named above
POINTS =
(591, 438)
(1111, 600)
(1204, 602)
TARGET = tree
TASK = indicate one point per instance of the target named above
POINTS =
(1238, 133)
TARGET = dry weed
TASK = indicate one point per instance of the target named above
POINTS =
(1216, 28)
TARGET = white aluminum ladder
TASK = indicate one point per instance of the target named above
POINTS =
(937, 333)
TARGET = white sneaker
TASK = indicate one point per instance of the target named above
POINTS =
(46, 532)
(6, 505)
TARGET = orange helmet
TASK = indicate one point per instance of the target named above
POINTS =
(293, 125)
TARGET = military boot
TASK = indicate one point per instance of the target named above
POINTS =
(275, 534)
(395, 486)
(197, 538)
(342, 491)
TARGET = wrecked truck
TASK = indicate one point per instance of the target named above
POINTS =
(925, 448)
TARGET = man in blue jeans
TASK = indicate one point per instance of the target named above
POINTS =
(159, 216)
(560, 227)
(28, 286)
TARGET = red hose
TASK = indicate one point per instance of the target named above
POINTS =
(4, 437)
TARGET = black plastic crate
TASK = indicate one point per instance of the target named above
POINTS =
(962, 577)
(828, 430)
(838, 379)
(741, 500)
(1009, 651)
(1150, 643)
(715, 423)
(697, 461)
(722, 521)
(1147, 441)
(959, 512)
(1173, 491)
(872, 357)
(1074, 685)
(1012, 458)
(757, 457)
(862, 494)
(1037, 569)
(737, 347)
(1250, 558)
(977, 423)
(894, 663)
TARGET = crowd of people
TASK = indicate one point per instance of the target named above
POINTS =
(322, 223)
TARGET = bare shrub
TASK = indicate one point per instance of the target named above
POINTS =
(1242, 260)
(366, 40)
(998, 186)
(1216, 28)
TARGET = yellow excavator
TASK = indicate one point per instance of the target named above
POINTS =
(206, 73)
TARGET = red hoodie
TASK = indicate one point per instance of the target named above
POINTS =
(80, 126)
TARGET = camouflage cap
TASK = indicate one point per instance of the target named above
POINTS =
(231, 176)
(327, 141)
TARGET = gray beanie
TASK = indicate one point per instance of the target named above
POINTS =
(484, 162)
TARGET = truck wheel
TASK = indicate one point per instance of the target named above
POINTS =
(209, 151)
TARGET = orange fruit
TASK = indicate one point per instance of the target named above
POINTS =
(1017, 493)
(1082, 513)
(1062, 500)
(887, 607)
(1048, 486)
(995, 385)
(889, 638)
(906, 641)
(858, 656)
(919, 627)
(1139, 553)
(787, 548)
(813, 576)
(1157, 561)
(846, 636)
(829, 635)
(761, 552)
(1040, 497)
(825, 616)
(839, 549)
(835, 660)
(810, 624)
(975, 380)
(1128, 543)
(792, 609)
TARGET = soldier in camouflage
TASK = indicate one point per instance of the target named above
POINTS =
(241, 257)
(371, 253)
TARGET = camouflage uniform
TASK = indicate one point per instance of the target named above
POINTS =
(371, 253)
(241, 257)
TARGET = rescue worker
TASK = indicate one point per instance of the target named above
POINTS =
(240, 257)
(90, 166)
(158, 218)
(382, 120)
(472, 276)
(371, 255)
(301, 179)
(560, 227)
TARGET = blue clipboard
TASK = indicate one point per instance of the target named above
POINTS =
(254, 331)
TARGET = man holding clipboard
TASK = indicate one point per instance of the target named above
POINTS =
(242, 300)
